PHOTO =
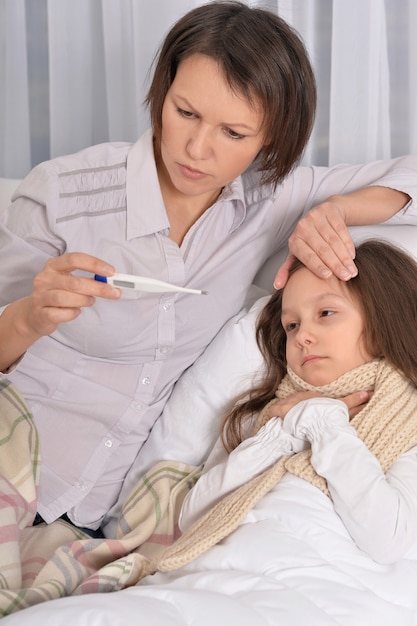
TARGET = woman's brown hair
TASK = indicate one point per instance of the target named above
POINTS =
(263, 59)
(385, 289)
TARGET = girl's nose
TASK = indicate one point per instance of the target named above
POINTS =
(304, 336)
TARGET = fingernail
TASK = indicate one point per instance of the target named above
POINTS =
(326, 273)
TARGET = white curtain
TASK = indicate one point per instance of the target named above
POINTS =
(75, 73)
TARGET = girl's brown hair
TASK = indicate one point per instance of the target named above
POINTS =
(263, 59)
(385, 289)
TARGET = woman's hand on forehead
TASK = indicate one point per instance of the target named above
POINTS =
(322, 242)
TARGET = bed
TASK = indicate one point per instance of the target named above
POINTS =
(290, 561)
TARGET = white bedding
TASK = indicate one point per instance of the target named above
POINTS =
(291, 562)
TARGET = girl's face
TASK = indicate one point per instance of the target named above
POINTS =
(210, 134)
(324, 328)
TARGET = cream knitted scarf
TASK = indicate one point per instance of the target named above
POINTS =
(387, 425)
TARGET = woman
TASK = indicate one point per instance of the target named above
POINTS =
(201, 200)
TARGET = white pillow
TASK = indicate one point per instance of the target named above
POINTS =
(190, 422)
(401, 235)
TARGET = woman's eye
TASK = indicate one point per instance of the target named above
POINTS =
(185, 113)
(233, 134)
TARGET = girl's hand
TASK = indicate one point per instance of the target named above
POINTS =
(280, 408)
(59, 296)
(355, 402)
(321, 240)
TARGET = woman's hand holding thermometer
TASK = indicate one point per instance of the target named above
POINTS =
(143, 283)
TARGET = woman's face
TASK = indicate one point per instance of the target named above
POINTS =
(210, 134)
(324, 328)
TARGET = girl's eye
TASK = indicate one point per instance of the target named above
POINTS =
(326, 313)
(291, 326)
(232, 134)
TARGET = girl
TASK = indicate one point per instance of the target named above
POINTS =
(321, 339)
(201, 200)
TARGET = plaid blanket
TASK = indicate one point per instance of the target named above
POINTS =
(49, 561)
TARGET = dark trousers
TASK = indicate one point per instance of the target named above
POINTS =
(95, 534)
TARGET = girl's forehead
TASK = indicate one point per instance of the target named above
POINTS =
(305, 277)
(304, 286)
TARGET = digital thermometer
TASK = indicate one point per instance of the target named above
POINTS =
(143, 283)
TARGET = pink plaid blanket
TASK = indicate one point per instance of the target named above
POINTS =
(45, 562)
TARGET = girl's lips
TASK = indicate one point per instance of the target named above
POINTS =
(189, 172)
(311, 358)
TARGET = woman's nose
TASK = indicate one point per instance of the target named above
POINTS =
(199, 144)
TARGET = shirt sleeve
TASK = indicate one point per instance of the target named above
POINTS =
(379, 510)
(27, 233)
(309, 186)
(225, 472)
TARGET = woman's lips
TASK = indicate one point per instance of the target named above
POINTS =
(191, 173)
